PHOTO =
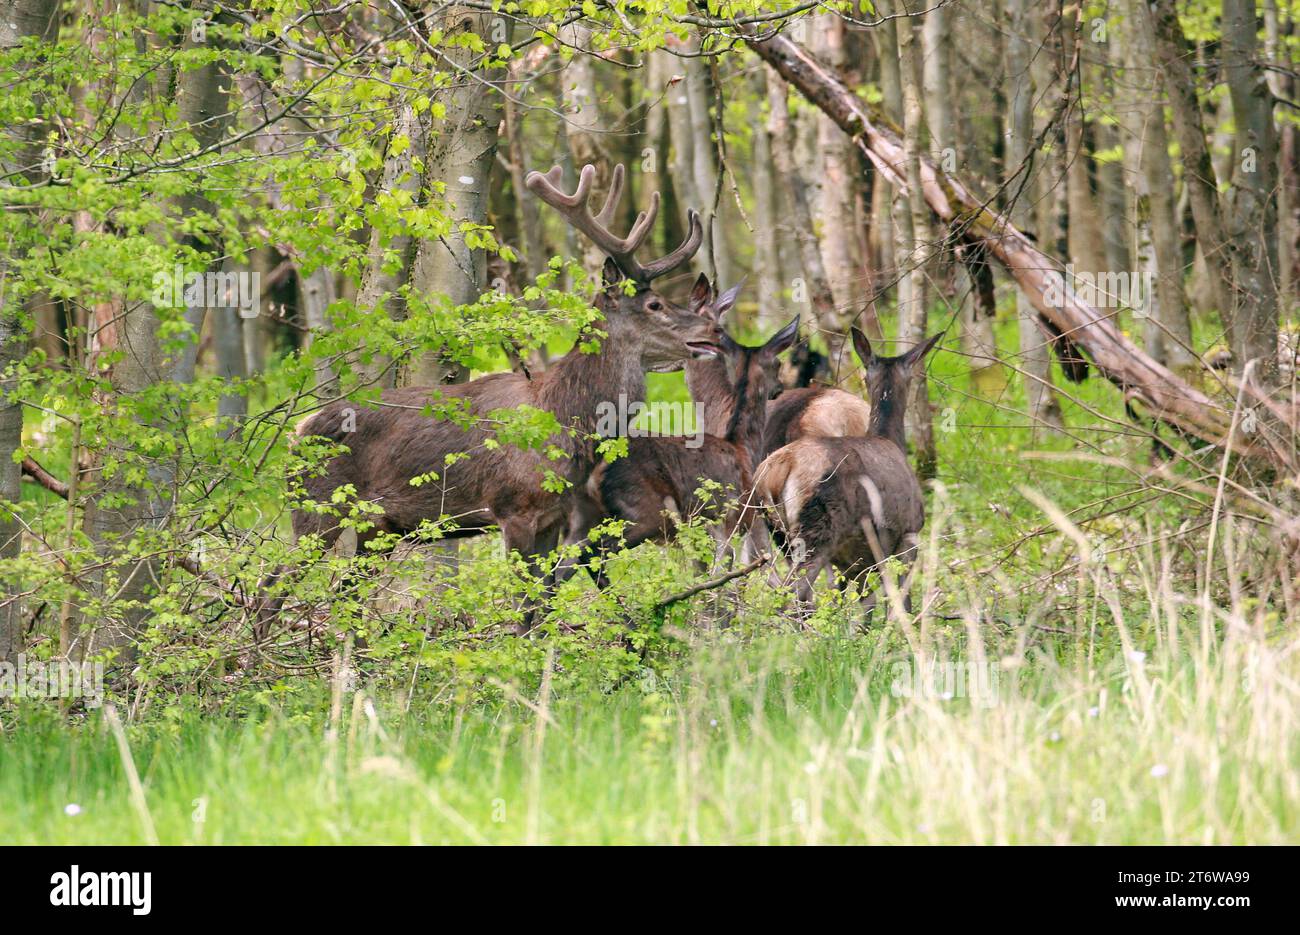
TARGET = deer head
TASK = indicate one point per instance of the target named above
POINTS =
(705, 301)
(888, 380)
(640, 322)
(756, 370)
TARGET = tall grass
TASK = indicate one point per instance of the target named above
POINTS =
(1163, 736)
(1088, 666)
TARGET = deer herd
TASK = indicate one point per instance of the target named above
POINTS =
(816, 469)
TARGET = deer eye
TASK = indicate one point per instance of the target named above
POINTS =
(654, 305)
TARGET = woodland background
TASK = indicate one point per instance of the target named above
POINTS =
(1112, 541)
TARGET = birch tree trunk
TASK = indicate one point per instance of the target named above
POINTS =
(913, 320)
(705, 168)
(461, 156)
(820, 298)
(977, 340)
(1167, 328)
(837, 180)
(894, 210)
(670, 81)
(1044, 411)
(532, 243)
(767, 258)
(584, 128)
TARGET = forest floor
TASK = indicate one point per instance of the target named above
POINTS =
(1087, 687)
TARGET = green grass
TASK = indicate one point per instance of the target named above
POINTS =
(1129, 701)
(780, 740)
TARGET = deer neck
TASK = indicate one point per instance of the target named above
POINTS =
(579, 390)
(888, 410)
(748, 417)
(711, 390)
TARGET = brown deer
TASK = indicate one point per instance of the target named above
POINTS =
(799, 411)
(392, 442)
(660, 478)
(850, 502)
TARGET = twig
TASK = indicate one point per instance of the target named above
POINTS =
(713, 583)
(44, 478)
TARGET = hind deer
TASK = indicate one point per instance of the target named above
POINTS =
(659, 479)
(850, 502)
(799, 411)
(392, 442)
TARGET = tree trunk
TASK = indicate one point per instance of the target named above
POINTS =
(1086, 248)
(461, 156)
(1035, 361)
(203, 107)
(815, 284)
(767, 258)
(1167, 328)
(977, 340)
(913, 321)
(532, 244)
(389, 258)
(19, 20)
(705, 167)
(1160, 18)
(228, 338)
(585, 129)
(670, 81)
(1252, 210)
(1280, 86)
(837, 178)
(892, 207)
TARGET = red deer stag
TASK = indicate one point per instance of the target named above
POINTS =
(851, 502)
(659, 478)
(393, 442)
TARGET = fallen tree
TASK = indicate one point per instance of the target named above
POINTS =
(1162, 393)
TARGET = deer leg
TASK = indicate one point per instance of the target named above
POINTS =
(585, 516)
(805, 581)
(908, 557)
(867, 601)
(757, 541)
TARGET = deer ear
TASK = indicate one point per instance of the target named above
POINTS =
(914, 356)
(783, 338)
(610, 274)
(727, 300)
(701, 295)
(863, 347)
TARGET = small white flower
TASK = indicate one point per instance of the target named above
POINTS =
(946, 696)
(1159, 770)
(72, 809)
(1094, 711)
(713, 722)
(1054, 736)
(1137, 657)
